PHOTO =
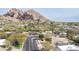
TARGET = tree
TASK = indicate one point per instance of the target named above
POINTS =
(52, 26)
(48, 39)
(46, 46)
(41, 36)
(76, 41)
(70, 34)
(16, 39)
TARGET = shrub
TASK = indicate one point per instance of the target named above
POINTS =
(16, 39)
(41, 36)
(46, 46)
(48, 39)
(3, 35)
(76, 41)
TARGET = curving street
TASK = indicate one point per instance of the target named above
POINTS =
(31, 44)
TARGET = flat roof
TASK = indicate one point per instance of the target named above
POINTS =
(2, 41)
(68, 48)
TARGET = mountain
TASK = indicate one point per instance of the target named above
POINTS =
(36, 15)
(28, 20)
(15, 13)
(25, 15)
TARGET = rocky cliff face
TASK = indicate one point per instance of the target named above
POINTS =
(36, 15)
(27, 15)
(15, 13)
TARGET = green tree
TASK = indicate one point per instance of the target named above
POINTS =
(16, 39)
(76, 41)
(48, 39)
(70, 34)
(53, 26)
(47, 46)
(41, 36)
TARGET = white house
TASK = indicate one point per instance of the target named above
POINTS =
(2, 42)
(68, 48)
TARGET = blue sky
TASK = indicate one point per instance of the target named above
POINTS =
(56, 14)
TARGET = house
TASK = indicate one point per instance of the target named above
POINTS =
(63, 34)
(68, 48)
(2, 42)
(1, 29)
(62, 40)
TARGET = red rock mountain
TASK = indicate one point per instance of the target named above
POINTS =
(27, 15)
(36, 15)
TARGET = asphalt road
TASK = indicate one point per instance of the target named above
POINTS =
(30, 44)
